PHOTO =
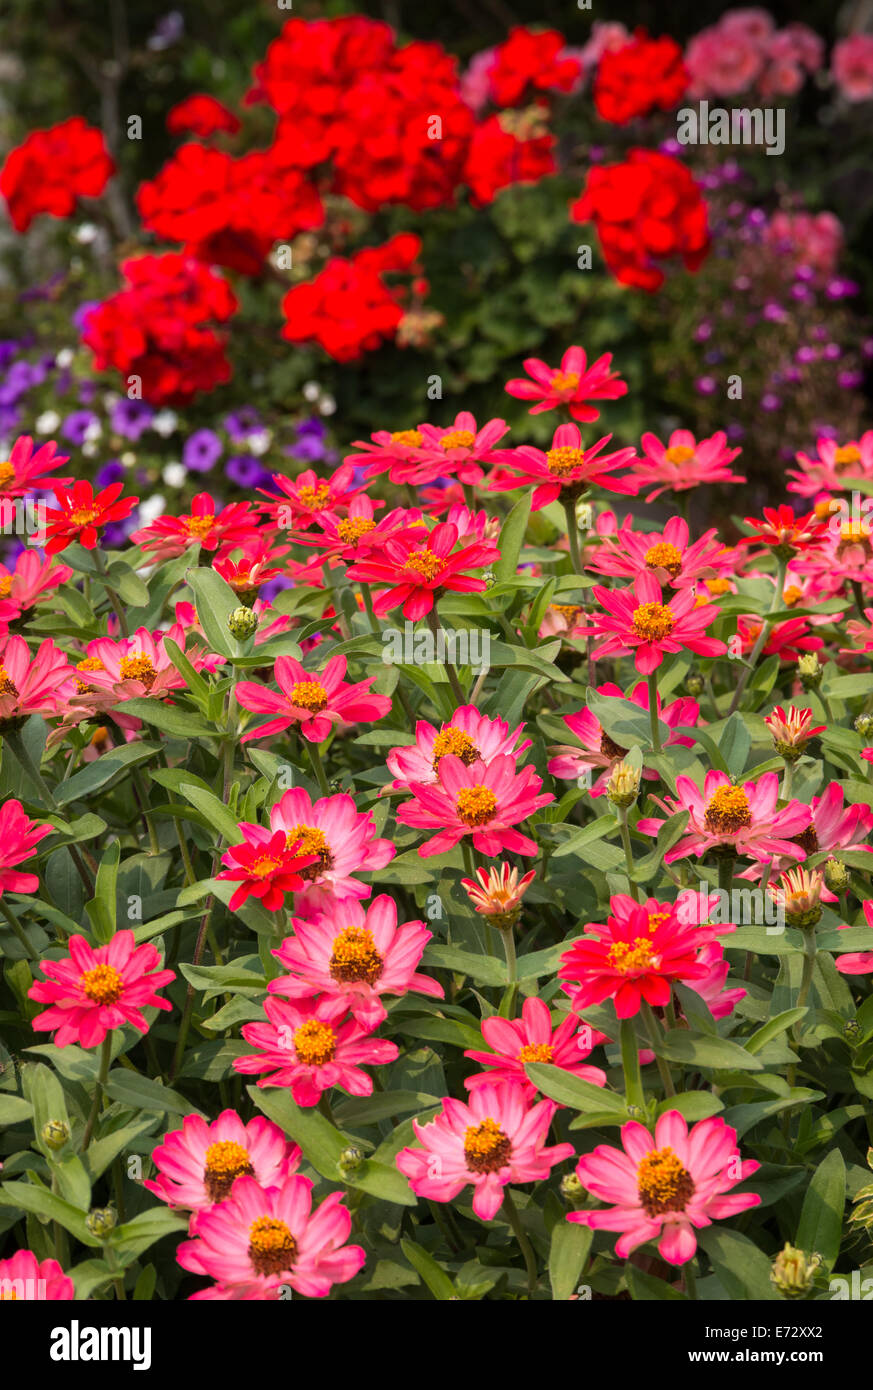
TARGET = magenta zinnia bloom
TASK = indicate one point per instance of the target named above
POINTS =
(199, 1163)
(482, 801)
(492, 1139)
(34, 575)
(19, 838)
(742, 817)
(684, 463)
(24, 1278)
(666, 1186)
(307, 498)
(417, 566)
(310, 1046)
(265, 866)
(638, 955)
(262, 1237)
(93, 991)
(599, 751)
(835, 468)
(140, 665)
(469, 735)
(26, 469)
(207, 525)
(355, 954)
(636, 620)
(669, 554)
(858, 962)
(514, 1042)
(33, 684)
(457, 451)
(343, 840)
(564, 471)
(311, 702)
(571, 384)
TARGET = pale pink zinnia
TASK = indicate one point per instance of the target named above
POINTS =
(199, 1163)
(26, 1279)
(743, 817)
(311, 702)
(469, 735)
(19, 837)
(482, 801)
(516, 1041)
(342, 838)
(684, 463)
(33, 683)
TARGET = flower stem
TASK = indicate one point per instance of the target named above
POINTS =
(314, 752)
(105, 1053)
(762, 637)
(19, 751)
(628, 852)
(630, 1062)
(653, 711)
(524, 1244)
(19, 931)
(368, 609)
(117, 607)
(690, 1281)
(652, 1030)
(452, 674)
(573, 534)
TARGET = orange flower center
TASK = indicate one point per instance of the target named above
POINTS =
(7, 686)
(354, 959)
(83, 516)
(311, 841)
(564, 381)
(846, 456)
(5, 585)
(6, 472)
(791, 595)
(664, 556)
(137, 668)
(263, 866)
(309, 695)
(8, 1295)
(628, 957)
(225, 1161)
(314, 1043)
(456, 742)
(568, 611)
(662, 1183)
(718, 586)
(316, 498)
(653, 621)
(425, 564)
(476, 805)
(458, 439)
(412, 439)
(353, 528)
(561, 462)
(90, 663)
(272, 1247)
(727, 811)
(486, 1147)
(103, 984)
(199, 526)
(656, 920)
(535, 1052)
(679, 453)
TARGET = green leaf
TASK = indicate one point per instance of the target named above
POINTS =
(773, 1028)
(695, 1050)
(215, 811)
(105, 770)
(512, 537)
(625, 723)
(101, 1152)
(429, 1271)
(821, 1220)
(484, 969)
(743, 1269)
(567, 1255)
(141, 1093)
(646, 1288)
(174, 720)
(14, 1109)
(734, 742)
(321, 1142)
(216, 601)
(102, 907)
(30, 1196)
(135, 1236)
(571, 1090)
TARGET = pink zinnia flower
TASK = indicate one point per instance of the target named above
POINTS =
(388, 452)
(33, 684)
(307, 498)
(417, 566)
(34, 575)
(492, 1139)
(457, 451)
(743, 817)
(482, 801)
(835, 466)
(570, 385)
(140, 665)
(93, 991)
(206, 525)
(684, 463)
(469, 735)
(852, 67)
(24, 1278)
(357, 954)
(564, 471)
(666, 1186)
(711, 987)
(266, 865)
(667, 555)
(311, 1045)
(19, 838)
(311, 702)
(598, 750)
(262, 1237)
(515, 1042)
(199, 1163)
(858, 962)
(343, 840)
(636, 620)
(349, 537)
(27, 469)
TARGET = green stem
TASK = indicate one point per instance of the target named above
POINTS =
(630, 1062)
(189, 997)
(314, 751)
(105, 1054)
(142, 799)
(433, 624)
(508, 937)
(690, 1281)
(524, 1244)
(573, 534)
(19, 931)
(653, 711)
(628, 852)
(117, 606)
(652, 1029)
(787, 779)
(777, 603)
(368, 609)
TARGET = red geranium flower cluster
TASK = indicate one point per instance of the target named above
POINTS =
(203, 116)
(228, 211)
(348, 308)
(644, 75)
(529, 63)
(52, 168)
(646, 209)
(161, 328)
(507, 149)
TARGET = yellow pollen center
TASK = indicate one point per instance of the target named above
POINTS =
(564, 461)
(199, 526)
(653, 621)
(568, 611)
(272, 1248)
(225, 1161)
(102, 984)
(7, 685)
(458, 439)
(8, 1295)
(846, 456)
(315, 498)
(83, 516)
(314, 1043)
(309, 695)
(629, 957)
(679, 453)
(476, 805)
(90, 663)
(456, 742)
(727, 811)
(412, 439)
(5, 585)
(662, 1183)
(425, 564)
(718, 586)
(664, 556)
(791, 595)
(486, 1147)
(535, 1052)
(656, 920)
(354, 959)
(353, 528)
(137, 668)
(564, 381)
(263, 866)
(310, 840)
(6, 472)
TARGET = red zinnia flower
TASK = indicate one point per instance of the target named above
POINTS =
(636, 620)
(573, 384)
(80, 514)
(205, 524)
(265, 866)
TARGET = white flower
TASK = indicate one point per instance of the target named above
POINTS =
(152, 508)
(165, 423)
(259, 442)
(311, 390)
(174, 474)
(64, 358)
(89, 448)
(327, 405)
(47, 422)
(86, 233)
(128, 458)
(93, 431)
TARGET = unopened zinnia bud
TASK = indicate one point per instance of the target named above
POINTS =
(852, 1031)
(571, 1188)
(350, 1161)
(836, 875)
(100, 1221)
(792, 730)
(694, 683)
(242, 623)
(810, 671)
(55, 1134)
(793, 1272)
(864, 725)
(623, 786)
(798, 893)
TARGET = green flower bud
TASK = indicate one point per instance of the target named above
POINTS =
(242, 623)
(571, 1189)
(793, 1272)
(810, 671)
(694, 683)
(101, 1221)
(55, 1134)
(852, 1031)
(864, 725)
(350, 1161)
(836, 875)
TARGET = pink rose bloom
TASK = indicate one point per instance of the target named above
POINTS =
(852, 67)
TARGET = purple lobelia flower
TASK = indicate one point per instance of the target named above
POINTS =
(131, 418)
(202, 451)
